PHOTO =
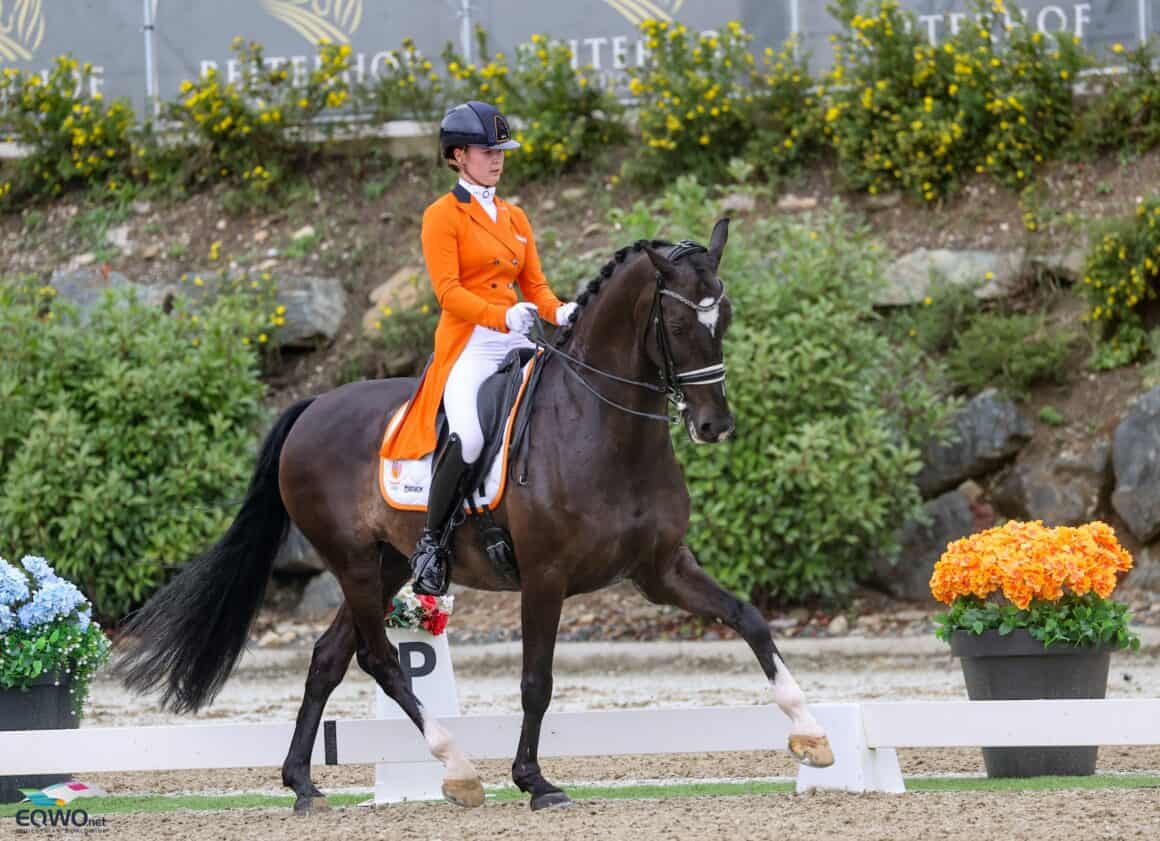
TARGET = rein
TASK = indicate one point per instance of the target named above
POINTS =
(672, 381)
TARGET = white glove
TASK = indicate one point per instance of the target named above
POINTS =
(521, 317)
(564, 313)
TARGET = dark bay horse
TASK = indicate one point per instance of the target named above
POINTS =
(605, 501)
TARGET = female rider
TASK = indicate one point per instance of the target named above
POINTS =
(477, 248)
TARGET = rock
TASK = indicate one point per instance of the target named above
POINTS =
(118, 237)
(403, 290)
(516, 200)
(305, 232)
(790, 202)
(1063, 490)
(1066, 264)
(839, 626)
(738, 203)
(261, 236)
(1136, 463)
(989, 431)
(572, 194)
(297, 555)
(922, 544)
(86, 288)
(885, 201)
(142, 208)
(548, 205)
(321, 598)
(221, 224)
(268, 264)
(591, 230)
(315, 308)
(152, 251)
(912, 278)
(82, 260)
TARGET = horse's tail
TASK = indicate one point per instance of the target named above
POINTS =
(191, 632)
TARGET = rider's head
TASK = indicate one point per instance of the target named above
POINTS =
(473, 137)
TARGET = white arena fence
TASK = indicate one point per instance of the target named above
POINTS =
(864, 737)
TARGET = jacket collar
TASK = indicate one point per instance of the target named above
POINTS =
(500, 229)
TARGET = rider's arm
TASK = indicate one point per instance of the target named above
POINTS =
(531, 279)
(441, 252)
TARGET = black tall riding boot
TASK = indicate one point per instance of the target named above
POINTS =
(431, 563)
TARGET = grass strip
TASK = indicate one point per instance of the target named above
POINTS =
(157, 803)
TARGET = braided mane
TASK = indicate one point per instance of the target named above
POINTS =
(594, 285)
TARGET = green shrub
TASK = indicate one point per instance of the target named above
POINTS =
(1051, 416)
(1123, 110)
(830, 416)
(783, 112)
(1011, 352)
(399, 345)
(907, 115)
(562, 116)
(935, 323)
(1120, 273)
(76, 140)
(126, 435)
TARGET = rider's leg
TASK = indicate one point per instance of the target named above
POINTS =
(430, 563)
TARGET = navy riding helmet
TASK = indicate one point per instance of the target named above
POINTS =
(474, 124)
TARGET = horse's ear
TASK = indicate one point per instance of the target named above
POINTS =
(718, 239)
(661, 263)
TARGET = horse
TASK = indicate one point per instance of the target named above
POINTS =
(604, 500)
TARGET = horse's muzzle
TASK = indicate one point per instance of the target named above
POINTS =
(711, 430)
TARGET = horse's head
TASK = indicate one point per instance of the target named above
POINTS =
(687, 322)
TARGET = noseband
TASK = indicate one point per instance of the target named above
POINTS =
(673, 382)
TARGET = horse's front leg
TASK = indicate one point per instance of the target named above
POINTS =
(681, 581)
(540, 604)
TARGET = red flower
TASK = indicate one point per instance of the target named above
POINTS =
(436, 624)
(428, 602)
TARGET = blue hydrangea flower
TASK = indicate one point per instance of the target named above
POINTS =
(55, 599)
(7, 620)
(13, 584)
(39, 568)
(85, 618)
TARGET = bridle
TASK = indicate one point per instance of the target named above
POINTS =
(673, 383)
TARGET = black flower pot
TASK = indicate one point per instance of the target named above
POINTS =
(1019, 667)
(42, 706)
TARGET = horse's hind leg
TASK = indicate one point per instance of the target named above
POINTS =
(328, 664)
(682, 582)
(379, 659)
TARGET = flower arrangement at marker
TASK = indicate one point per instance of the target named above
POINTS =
(419, 613)
(1053, 582)
(46, 629)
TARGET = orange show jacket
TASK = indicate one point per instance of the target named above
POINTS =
(474, 265)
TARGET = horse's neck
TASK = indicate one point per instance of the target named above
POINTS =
(610, 337)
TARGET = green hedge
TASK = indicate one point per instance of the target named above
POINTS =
(125, 436)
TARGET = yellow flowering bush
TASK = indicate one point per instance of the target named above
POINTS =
(1123, 113)
(407, 87)
(243, 128)
(905, 114)
(1055, 582)
(784, 112)
(693, 111)
(561, 115)
(1121, 272)
(76, 139)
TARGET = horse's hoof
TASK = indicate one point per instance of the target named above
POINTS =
(306, 805)
(551, 800)
(467, 793)
(811, 751)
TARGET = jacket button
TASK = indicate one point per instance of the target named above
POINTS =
(515, 262)
(496, 262)
(493, 286)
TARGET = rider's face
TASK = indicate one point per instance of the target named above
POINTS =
(480, 164)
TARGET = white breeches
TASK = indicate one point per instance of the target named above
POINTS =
(481, 357)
